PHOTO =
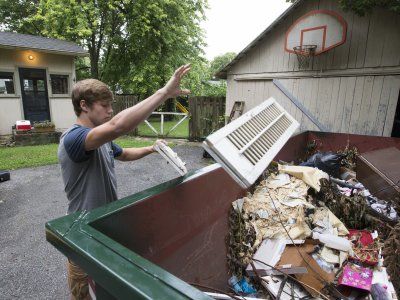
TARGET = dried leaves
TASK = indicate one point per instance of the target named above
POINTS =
(240, 239)
(391, 253)
(350, 210)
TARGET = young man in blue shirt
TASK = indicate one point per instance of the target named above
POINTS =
(86, 152)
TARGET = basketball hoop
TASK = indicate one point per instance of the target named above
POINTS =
(304, 54)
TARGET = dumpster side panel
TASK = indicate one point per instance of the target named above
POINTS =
(329, 141)
(294, 148)
(182, 229)
(379, 171)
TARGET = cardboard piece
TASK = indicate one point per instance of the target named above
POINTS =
(270, 252)
(316, 277)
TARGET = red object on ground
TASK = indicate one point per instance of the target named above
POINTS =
(23, 125)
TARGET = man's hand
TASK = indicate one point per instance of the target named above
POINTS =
(159, 141)
(172, 88)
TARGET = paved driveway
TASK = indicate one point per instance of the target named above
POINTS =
(30, 267)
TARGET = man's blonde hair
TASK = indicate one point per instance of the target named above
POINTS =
(90, 90)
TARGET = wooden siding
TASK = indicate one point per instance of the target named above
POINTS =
(360, 105)
(371, 41)
(353, 88)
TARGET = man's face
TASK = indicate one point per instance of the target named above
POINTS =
(100, 112)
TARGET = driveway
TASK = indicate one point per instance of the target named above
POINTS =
(30, 267)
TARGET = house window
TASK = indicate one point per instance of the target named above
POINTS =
(6, 83)
(59, 84)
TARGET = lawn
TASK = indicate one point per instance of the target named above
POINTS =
(32, 156)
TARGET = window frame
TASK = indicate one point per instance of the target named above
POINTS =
(12, 74)
(68, 76)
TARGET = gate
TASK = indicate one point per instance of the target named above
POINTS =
(207, 114)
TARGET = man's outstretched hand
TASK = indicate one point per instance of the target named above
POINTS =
(173, 87)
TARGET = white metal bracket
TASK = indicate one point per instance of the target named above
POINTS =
(171, 157)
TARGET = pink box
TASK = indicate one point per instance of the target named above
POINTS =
(357, 277)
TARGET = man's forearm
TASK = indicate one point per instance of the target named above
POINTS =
(129, 154)
(130, 118)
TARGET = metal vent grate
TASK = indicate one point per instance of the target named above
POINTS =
(247, 145)
(254, 138)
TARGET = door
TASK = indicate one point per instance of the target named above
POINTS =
(34, 94)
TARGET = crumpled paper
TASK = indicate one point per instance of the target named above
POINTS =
(311, 176)
(267, 207)
(328, 222)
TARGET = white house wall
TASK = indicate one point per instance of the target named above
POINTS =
(61, 110)
(352, 88)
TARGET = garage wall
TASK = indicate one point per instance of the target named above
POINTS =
(61, 110)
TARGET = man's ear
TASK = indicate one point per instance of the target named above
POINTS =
(83, 105)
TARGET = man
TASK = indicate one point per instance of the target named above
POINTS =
(86, 152)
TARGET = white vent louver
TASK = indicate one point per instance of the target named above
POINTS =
(171, 157)
(247, 145)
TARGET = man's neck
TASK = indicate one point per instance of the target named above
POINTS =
(84, 122)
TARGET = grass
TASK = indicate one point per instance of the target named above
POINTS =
(12, 158)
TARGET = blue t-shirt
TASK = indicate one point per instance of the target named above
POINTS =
(89, 176)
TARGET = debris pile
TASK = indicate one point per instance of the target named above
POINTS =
(304, 232)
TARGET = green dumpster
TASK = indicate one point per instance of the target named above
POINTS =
(154, 244)
(164, 241)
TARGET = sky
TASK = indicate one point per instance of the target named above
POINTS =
(233, 24)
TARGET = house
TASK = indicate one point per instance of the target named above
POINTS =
(36, 75)
(347, 81)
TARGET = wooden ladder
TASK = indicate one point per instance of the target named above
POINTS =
(237, 110)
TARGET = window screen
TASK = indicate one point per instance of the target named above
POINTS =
(59, 84)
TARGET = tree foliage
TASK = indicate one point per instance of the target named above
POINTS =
(201, 80)
(220, 61)
(133, 45)
(362, 7)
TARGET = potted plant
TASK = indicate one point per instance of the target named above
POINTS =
(44, 126)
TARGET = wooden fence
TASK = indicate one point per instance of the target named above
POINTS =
(207, 114)
(124, 101)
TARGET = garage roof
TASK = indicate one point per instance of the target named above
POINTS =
(11, 40)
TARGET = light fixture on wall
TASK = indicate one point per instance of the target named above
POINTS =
(30, 57)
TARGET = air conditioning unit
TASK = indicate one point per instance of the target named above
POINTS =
(247, 145)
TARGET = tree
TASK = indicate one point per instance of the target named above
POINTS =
(362, 7)
(201, 80)
(133, 45)
(14, 17)
(220, 61)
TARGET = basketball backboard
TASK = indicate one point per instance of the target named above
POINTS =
(323, 28)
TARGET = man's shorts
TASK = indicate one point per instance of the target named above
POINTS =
(78, 282)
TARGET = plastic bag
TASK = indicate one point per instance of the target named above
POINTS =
(328, 162)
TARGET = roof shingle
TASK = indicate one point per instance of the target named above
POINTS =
(43, 44)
